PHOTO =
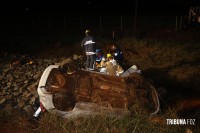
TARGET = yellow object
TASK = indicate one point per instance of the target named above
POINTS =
(87, 31)
(108, 55)
(30, 62)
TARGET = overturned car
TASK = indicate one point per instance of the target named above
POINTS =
(69, 91)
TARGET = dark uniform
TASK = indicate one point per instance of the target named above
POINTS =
(89, 46)
(118, 56)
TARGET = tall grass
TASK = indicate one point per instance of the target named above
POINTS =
(103, 123)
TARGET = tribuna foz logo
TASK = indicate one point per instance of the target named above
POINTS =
(180, 121)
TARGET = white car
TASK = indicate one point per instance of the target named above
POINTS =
(69, 91)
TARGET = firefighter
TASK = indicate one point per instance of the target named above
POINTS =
(118, 55)
(89, 46)
(111, 67)
(99, 56)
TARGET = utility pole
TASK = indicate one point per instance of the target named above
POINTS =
(135, 23)
(100, 23)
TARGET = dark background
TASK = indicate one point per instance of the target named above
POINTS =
(35, 22)
(98, 7)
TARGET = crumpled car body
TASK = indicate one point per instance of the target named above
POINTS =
(86, 92)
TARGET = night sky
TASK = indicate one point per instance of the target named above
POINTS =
(98, 7)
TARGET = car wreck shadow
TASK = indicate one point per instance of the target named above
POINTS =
(175, 91)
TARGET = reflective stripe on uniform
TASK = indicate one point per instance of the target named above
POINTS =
(89, 42)
(90, 53)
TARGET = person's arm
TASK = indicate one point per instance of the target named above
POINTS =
(82, 43)
(102, 63)
(94, 45)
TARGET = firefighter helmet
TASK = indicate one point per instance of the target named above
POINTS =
(108, 55)
(87, 31)
(98, 50)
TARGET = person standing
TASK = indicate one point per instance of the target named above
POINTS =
(88, 44)
(118, 55)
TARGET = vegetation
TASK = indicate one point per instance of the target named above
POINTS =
(101, 123)
(166, 63)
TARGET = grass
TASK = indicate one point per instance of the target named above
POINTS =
(100, 123)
